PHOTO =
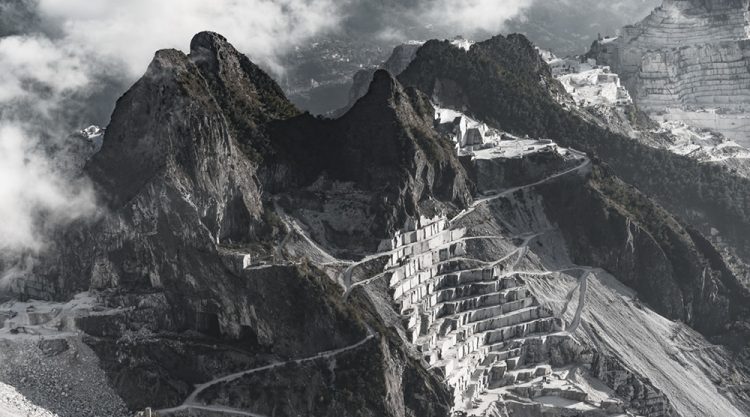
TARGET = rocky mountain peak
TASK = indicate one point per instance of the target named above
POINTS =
(164, 61)
(140, 137)
(216, 57)
(408, 104)
(515, 50)
(209, 40)
(211, 51)
(383, 86)
(386, 140)
(248, 96)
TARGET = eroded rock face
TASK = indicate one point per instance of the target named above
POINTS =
(647, 249)
(687, 56)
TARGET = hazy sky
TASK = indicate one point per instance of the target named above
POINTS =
(64, 62)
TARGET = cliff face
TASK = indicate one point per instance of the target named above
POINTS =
(163, 129)
(684, 57)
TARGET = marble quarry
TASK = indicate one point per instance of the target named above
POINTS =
(480, 327)
(688, 60)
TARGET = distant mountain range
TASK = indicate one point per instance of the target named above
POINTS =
(319, 74)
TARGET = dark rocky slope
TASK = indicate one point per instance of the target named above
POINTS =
(385, 146)
(647, 249)
(185, 207)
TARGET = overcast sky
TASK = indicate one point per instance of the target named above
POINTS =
(64, 62)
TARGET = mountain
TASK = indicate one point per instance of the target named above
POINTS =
(458, 242)
(518, 102)
(318, 75)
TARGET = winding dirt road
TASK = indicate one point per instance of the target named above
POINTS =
(192, 400)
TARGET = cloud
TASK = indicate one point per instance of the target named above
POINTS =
(471, 17)
(400, 20)
(33, 195)
(130, 31)
(43, 84)
(34, 69)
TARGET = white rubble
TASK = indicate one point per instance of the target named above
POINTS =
(461, 42)
(733, 125)
(92, 132)
(14, 404)
(33, 319)
(702, 145)
(596, 86)
(668, 353)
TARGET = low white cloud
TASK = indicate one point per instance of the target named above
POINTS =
(39, 81)
(36, 70)
(470, 17)
(132, 30)
(33, 195)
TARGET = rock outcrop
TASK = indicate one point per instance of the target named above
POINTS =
(400, 58)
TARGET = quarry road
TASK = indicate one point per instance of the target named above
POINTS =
(585, 163)
(581, 287)
(192, 400)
